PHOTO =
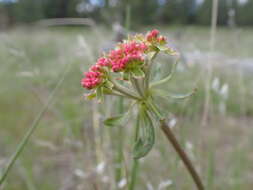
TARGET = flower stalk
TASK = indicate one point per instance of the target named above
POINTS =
(171, 137)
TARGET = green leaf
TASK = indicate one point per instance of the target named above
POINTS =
(119, 119)
(144, 143)
(167, 78)
(182, 96)
(165, 94)
(137, 73)
(114, 121)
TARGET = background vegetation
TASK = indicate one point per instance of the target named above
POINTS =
(144, 12)
(72, 149)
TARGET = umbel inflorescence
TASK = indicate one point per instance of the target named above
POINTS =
(125, 71)
(128, 58)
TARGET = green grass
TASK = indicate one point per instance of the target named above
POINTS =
(30, 65)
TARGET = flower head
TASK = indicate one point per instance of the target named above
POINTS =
(103, 62)
(153, 37)
(127, 55)
(92, 79)
(127, 58)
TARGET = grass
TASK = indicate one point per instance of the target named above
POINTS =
(61, 152)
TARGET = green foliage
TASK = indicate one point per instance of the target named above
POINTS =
(144, 12)
(245, 13)
(178, 11)
(146, 136)
(115, 121)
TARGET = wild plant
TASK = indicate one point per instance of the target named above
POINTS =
(126, 72)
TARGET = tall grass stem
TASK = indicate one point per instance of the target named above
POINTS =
(209, 66)
(33, 126)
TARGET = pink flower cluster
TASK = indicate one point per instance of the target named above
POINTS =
(92, 79)
(125, 57)
(127, 54)
(95, 76)
(153, 37)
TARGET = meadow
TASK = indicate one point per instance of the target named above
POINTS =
(72, 149)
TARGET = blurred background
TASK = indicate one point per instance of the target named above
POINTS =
(44, 41)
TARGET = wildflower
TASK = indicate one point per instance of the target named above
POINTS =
(127, 56)
(103, 62)
(127, 59)
(152, 35)
(92, 80)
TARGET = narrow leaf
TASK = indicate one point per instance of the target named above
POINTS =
(114, 121)
(145, 143)
(182, 96)
(119, 119)
(165, 94)
(166, 79)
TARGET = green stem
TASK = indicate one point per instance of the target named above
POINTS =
(123, 90)
(171, 137)
(135, 166)
(137, 86)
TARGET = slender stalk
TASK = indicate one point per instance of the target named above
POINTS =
(137, 86)
(135, 166)
(134, 173)
(123, 90)
(170, 136)
(209, 70)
